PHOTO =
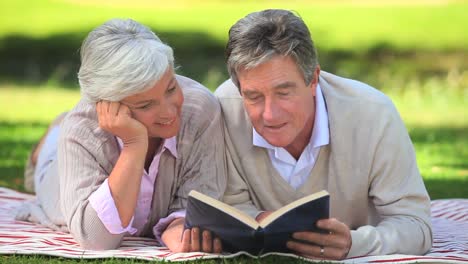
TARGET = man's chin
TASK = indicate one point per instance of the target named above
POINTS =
(277, 142)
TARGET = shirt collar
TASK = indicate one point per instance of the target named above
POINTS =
(320, 134)
(169, 143)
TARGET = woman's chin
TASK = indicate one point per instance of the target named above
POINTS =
(164, 133)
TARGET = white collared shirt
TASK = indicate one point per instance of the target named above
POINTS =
(293, 171)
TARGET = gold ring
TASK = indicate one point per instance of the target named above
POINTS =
(322, 251)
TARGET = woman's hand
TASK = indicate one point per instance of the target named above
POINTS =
(178, 239)
(116, 118)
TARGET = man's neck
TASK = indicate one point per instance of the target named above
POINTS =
(302, 140)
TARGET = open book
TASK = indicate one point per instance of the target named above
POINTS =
(240, 232)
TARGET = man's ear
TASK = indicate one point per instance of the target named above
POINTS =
(315, 80)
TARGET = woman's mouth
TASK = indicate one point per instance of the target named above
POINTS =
(165, 123)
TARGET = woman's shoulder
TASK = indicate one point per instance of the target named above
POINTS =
(195, 93)
(200, 108)
(81, 124)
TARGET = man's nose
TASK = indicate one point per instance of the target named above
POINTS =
(270, 110)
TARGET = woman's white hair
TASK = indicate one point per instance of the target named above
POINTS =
(121, 58)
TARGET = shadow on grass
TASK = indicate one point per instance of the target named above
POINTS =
(55, 60)
(16, 141)
(447, 188)
(439, 134)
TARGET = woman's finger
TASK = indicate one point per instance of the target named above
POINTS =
(195, 239)
(207, 244)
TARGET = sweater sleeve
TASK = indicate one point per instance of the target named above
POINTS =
(80, 176)
(398, 193)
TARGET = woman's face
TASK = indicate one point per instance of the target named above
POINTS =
(159, 108)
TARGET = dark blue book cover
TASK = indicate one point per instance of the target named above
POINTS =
(240, 232)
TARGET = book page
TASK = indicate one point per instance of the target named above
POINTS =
(232, 211)
(278, 213)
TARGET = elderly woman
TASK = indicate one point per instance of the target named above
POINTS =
(125, 157)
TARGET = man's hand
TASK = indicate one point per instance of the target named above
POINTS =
(179, 240)
(262, 216)
(335, 244)
(116, 118)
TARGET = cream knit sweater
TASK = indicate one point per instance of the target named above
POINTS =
(369, 168)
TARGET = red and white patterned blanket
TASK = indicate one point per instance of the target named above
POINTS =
(449, 219)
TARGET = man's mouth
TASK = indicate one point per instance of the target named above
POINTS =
(275, 127)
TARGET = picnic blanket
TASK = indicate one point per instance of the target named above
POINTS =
(449, 219)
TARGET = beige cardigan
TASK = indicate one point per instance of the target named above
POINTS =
(87, 155)
(369, 168)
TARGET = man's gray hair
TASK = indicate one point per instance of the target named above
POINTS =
(121, 58)
(260, 36)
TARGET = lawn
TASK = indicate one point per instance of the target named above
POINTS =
(416, 53)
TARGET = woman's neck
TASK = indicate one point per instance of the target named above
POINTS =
(153, 145)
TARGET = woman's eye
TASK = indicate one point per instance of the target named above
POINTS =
(172, 89)
(144, 107)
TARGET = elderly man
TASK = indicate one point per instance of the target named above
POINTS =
(292, 130)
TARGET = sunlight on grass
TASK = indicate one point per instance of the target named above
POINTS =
(34, 104)
(395, 24)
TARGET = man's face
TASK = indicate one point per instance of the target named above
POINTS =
(280, 105)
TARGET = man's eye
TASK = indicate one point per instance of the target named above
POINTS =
(253, 97)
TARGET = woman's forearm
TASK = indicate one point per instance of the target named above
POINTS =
(125, 179)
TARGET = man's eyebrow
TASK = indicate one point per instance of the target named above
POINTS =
(249, 92)
(285, 85)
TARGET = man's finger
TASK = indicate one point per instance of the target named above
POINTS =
(303, 248)
(332, 225)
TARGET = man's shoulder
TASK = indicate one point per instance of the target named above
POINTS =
(354, 107)
(349, 91)
(227, 90)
